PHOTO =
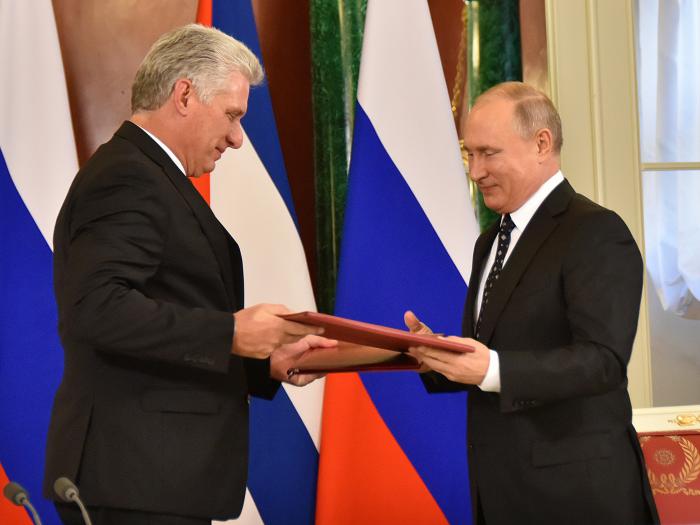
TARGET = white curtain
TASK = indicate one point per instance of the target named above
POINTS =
(668, 61)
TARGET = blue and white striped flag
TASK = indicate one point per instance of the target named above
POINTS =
(250, 195)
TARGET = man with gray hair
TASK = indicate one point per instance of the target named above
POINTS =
(551, 313)
(151, 417)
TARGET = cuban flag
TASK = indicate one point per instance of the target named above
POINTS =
(251, 197)
(38, 161)
(390, 452)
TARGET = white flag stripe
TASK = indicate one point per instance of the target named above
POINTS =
(36, 135)
(309, 402)
(410, 78)
(249, 515)
(247, 203)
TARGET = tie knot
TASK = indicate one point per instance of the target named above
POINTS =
(507, 224)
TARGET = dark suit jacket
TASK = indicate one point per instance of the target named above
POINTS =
(556, 445)
(152, 411)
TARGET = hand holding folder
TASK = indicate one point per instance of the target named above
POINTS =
(363, 346)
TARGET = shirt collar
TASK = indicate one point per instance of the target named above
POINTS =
(166, 149)
(521, 217)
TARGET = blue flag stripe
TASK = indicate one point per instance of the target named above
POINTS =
(283, 463)
(31, 361)
(384, 222)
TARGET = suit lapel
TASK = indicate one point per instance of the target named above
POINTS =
(223, 245)
(225, 248)
(536, 232)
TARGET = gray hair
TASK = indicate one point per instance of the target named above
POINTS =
(204, 55)
(533, 110)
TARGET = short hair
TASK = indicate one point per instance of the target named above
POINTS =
(533, 110)
(204, 55)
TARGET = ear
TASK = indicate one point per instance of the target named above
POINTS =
(543, 141)
(182, 95)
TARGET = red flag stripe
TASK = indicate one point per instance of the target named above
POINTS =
(204, 11)
(204, 17)
(364, 475)
(11, 514)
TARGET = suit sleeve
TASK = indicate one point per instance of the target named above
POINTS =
(117, 234)
(260, 384)
(601, 282)
(436, 383)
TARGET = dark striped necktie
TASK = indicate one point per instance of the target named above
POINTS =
(507, 226)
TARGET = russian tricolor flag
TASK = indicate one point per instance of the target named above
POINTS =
(38, 161)
(391, 453)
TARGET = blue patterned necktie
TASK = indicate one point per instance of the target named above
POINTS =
(507, 226)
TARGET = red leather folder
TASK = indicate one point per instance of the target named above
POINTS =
(363, 346)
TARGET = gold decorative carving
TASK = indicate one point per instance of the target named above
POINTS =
(686, 420)
(460, 82)
(459, 100)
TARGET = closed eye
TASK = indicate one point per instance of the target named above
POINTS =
(234, 115)
(482, 153)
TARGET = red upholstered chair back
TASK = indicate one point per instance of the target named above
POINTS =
(670, 439)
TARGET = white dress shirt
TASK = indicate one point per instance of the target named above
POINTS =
(167, 150)
(521, 217)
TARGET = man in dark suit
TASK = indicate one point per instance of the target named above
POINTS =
(151, 417)
(552, 313)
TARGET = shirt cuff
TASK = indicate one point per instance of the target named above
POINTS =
(492, 379)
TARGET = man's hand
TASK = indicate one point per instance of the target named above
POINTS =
(468, 368)
(286, 356)
(259, 331)
(415, 326)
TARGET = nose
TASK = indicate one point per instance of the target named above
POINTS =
(235, 136)
(476, 168)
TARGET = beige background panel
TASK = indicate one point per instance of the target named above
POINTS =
(533, 37)
(103, 42)
(593, 81)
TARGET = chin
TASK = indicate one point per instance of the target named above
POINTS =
(493, 206)
(494, 203)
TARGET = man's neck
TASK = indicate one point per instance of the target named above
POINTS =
(149, 122)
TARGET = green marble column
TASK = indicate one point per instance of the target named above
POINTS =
(336, 43)
(494, 56)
